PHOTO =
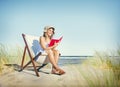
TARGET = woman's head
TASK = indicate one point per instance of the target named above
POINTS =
(49, 31)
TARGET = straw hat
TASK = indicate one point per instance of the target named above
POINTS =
(48, 27)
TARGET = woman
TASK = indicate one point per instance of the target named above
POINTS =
(53, 54)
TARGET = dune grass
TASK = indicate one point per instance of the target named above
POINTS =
(3, 57)
(10, 55)
(100, 71)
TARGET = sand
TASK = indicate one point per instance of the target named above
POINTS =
(28, 78)
(76, 75)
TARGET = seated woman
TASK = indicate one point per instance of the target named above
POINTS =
(53, 54)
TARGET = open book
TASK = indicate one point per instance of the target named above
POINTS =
(53, 41)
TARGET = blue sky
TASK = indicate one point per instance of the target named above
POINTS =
(86, 25)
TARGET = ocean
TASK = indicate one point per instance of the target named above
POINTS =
(72, 59)
(80, 59)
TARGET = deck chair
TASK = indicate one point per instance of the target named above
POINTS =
(35, 53)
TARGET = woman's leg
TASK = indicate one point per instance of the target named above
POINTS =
(55, 67)
(51, 58)
(56, 55)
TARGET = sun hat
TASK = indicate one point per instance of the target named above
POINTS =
(48, 27)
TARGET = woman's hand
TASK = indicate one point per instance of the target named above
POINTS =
(55, 45)
(52, 47)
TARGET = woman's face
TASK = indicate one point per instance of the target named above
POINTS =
(50, 32)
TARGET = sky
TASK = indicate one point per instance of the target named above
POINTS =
(86, 25)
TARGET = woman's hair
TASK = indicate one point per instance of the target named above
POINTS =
(45, 30)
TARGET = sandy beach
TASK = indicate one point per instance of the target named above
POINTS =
(77, 75)
(27, 78)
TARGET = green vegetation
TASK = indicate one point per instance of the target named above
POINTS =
(3, 57)
(9, 55)
(100, 71)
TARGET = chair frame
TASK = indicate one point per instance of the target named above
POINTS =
(26, 48)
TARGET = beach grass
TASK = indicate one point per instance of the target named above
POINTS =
(3, 57)
(10, 55)
(101, 70)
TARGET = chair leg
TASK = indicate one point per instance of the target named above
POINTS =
(31, 58)
(35, 68)
(23, 58)
(23, 67)
(41, 66)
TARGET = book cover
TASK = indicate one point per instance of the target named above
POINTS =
(53, 41)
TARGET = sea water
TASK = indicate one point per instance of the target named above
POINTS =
(72, 60)
(80, 59)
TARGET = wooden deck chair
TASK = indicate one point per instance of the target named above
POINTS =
(35, 53)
